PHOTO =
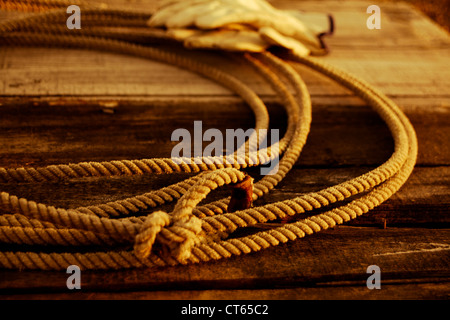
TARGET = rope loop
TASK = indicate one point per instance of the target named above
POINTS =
(178, 232)
(175, 237)
(191, 232)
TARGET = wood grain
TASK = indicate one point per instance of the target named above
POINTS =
(42, 133)
(434, 289)
(62, 106)
(323, 259)
(57, 72)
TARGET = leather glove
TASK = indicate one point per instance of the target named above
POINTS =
(238, 25)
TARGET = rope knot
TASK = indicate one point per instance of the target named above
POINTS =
(178, 232)
(176, 235)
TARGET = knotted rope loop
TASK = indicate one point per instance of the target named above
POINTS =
(168, 238)
(178, 232)
(175, 235)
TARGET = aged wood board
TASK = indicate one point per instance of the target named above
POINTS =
(61, 106)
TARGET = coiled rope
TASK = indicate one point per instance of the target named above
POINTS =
(190, 233)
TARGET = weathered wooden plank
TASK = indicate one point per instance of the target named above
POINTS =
(402, 26)
(327, 258)
(47, 132)
(45, 71)
(398, 73)
(407, 103)
(435, 289)
(418, 71)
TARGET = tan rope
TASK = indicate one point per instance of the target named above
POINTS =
(191, 233)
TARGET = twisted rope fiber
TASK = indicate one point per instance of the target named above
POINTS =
(183, 237)
(45, 172)
(24, 208)
(288, 130)
(308, 116)
(64, 213)
(99, 168)
(130, 167)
